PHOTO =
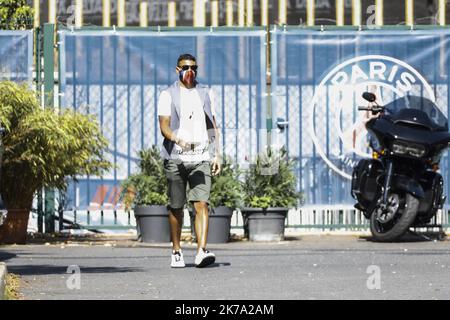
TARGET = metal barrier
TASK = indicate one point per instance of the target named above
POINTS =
(304, 219)
(342, 217)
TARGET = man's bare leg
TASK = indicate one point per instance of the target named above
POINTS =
(201, 223)
(176, 223)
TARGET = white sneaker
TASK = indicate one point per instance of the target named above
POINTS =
(177, 259)
(204, 258)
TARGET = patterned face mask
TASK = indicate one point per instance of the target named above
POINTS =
(187, 77)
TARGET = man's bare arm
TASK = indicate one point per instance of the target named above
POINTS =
(217, 161)
(164, 124)
(217, 139)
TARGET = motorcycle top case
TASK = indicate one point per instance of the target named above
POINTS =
(364, 182)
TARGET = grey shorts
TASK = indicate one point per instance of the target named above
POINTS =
(196, 176)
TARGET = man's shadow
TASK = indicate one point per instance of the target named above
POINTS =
(213, 265)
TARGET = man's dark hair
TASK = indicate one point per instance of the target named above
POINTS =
(186, 56)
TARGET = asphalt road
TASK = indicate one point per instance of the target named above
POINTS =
(310, 267)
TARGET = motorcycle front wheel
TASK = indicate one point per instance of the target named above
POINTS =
(391, 224)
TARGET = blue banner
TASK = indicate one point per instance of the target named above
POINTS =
(318, 78)
(16, 50)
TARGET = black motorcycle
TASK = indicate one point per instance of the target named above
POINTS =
(400, 187)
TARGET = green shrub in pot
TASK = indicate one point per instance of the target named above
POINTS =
(270, 189)
(271, 182)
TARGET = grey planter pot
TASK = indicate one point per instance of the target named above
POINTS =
(152, 223)
(219, 224)
(264, 224)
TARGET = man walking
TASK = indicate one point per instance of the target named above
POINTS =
(187, 122)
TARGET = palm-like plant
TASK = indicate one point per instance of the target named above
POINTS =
(41, 148)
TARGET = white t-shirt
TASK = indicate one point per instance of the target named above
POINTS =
(192, 124)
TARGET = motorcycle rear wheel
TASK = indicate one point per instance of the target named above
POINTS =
(404, 218)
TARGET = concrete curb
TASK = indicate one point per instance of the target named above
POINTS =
(3, 272)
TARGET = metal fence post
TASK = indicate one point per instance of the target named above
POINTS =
(356, 12)
(340, 13)
(269, 111)
(143, 14)
(409, 12)
(78, 13)
(310, 12)
(282, 12)
(121, 14)
(38, 56)
(172, 14)
(249, 16)
(241, 13)
(379, 10)
(52, 11)
(49, 85)
(230, 13)
(264, 13)
(106, 13)
(37, 13)
(199, 13)
(441, 12)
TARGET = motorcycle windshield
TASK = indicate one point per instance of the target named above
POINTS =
(419, 103)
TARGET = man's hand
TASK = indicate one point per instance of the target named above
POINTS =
(186, 146)
(183, 144)
(216, 166)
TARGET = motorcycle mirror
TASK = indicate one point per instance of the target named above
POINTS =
(369, 96)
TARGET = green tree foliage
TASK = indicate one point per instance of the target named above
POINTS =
(15, 15)
(42, 148)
